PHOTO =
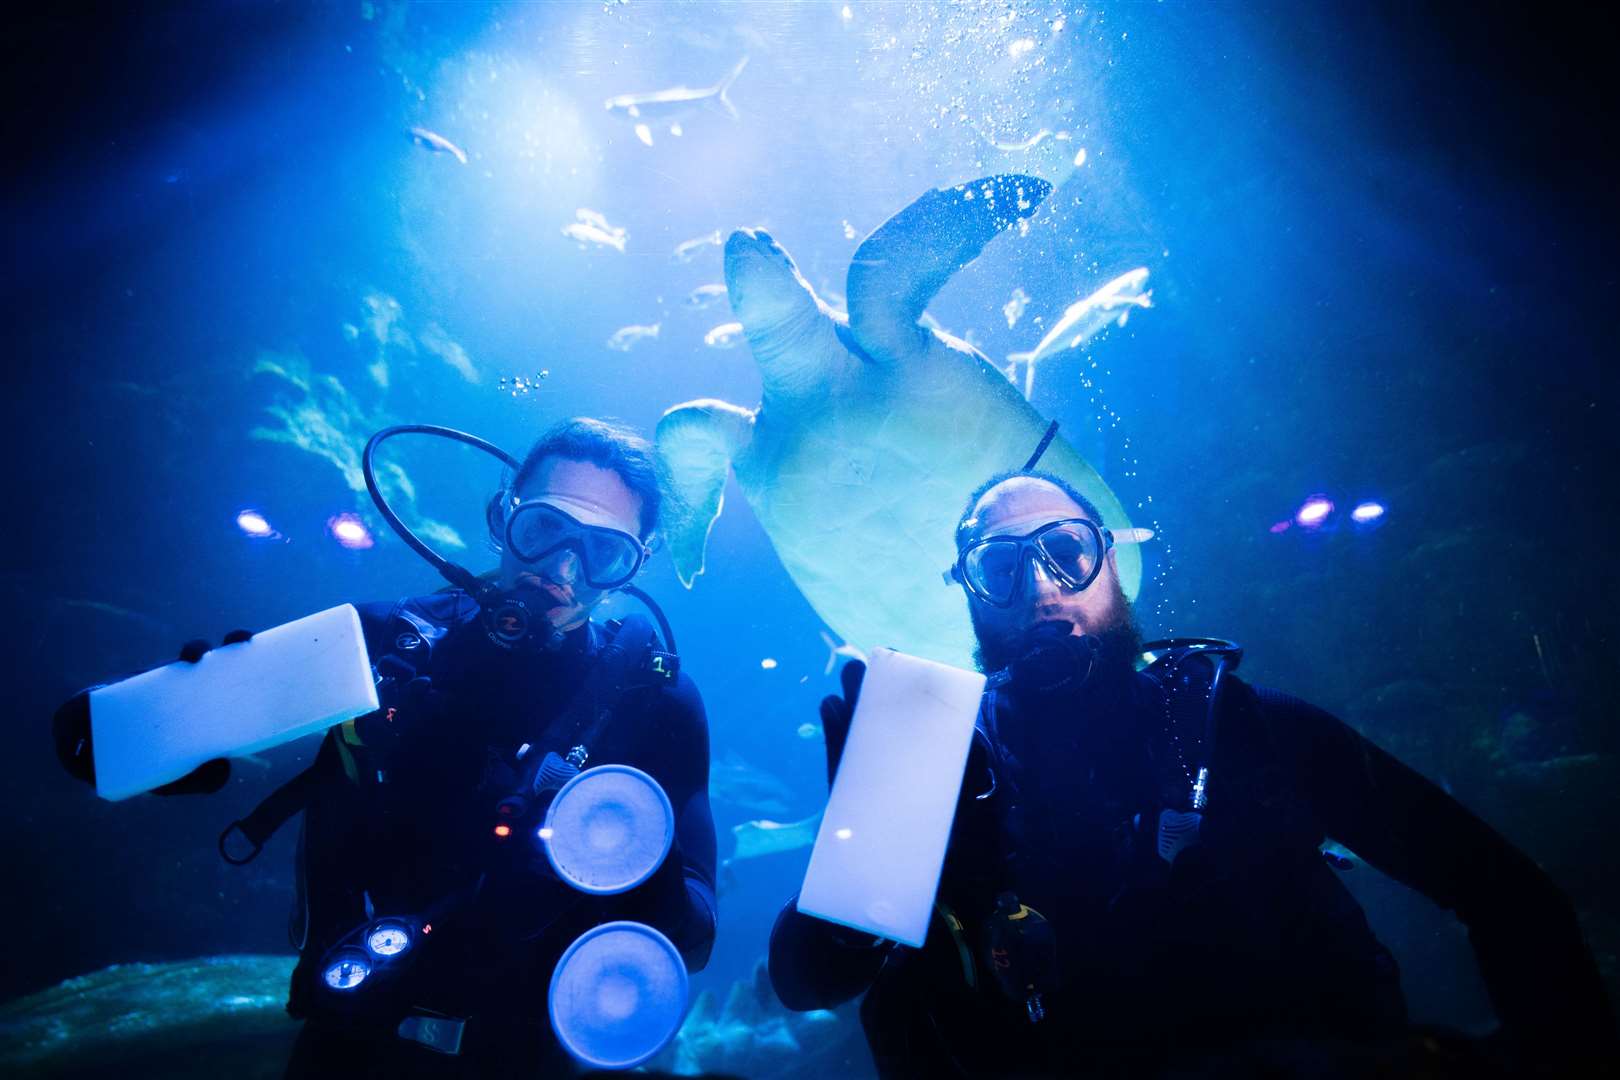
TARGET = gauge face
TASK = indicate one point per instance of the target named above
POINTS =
(346, 973)
(388, 940)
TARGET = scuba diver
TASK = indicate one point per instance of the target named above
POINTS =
(429, 922)
(1135, 882)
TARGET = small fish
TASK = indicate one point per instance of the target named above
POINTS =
(723, 336)
(835, 650)
(1085, 319)
(1022, 146)
(1014, 308)
(927, 321)
(1337, 855)
(666, 107)
(103, 608)
(705, 295)
(687, 250)
(765, 837)
(807, 730)
(736, 783)
(626, 337)
(593, 228)
(432, 140)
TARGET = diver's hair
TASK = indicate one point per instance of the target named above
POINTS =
(606, 444)
(1058, 482)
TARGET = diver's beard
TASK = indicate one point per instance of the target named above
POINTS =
(1120, 641)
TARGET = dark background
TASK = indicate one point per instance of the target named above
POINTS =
(1442, 334)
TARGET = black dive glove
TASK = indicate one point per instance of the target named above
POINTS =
(416, 704)
(837, 712)
(70, 731)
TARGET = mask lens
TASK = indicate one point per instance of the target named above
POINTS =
(993, 568)
(535, 529)
(610, 557)
(1073, 550)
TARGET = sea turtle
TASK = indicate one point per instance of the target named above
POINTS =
(872, 430)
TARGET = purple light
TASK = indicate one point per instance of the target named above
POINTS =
(1282, 526)
(1367, 513)
(254, 524)
(350, 531)
(1314, 512)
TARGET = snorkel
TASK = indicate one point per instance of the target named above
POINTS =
(513, 619)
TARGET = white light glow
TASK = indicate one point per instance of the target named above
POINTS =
(253, 523)
(1315, 511)
(350, 531)
(1367, 512)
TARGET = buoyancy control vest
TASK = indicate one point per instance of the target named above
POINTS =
(1193, 826)
(353, 774)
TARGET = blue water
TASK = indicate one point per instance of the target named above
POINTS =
(1376, 269)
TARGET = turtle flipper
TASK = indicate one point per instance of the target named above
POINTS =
(791, 331)
(899, 268)
(697, 441)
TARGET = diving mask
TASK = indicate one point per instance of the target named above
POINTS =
(608, 557)
(1071, 550)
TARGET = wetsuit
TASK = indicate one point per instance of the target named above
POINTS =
(405, 825)
(1246, 939)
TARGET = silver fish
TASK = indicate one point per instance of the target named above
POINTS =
(668, 106)
(687, 250)
(627, 336)
(723, 336)
(835, 650)
(1014, 308)
(1022, 146)
(766, 837)
(593, 228)
(736, 783)
(705, 295)
(432, 140)
(1085, 319)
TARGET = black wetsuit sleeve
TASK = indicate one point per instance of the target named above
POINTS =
(680, 900)
(1540, 975)
(816, 964)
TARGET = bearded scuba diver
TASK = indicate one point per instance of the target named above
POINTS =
(506, 866)
(1135, 882)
